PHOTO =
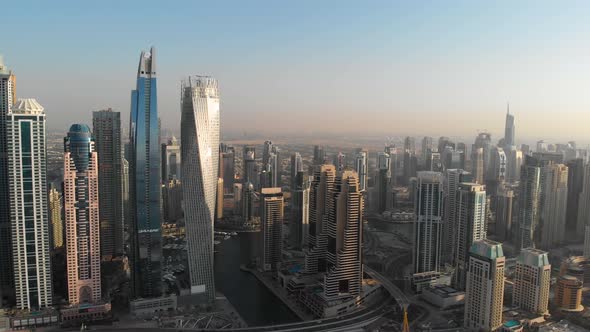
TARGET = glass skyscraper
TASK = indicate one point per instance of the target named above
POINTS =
(106, 126)
(144, 181)
(200, 157)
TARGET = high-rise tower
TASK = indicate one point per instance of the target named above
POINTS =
(81, 209)
(170, 160)
(296, 167)
(383, 182)
(57, 228)
(470, 226)
(200, 157)
(532, 279)
(106, 126)
(299, 223)
(144, 181)
(451, 180)
(7, 99)
(323, 182)
(344, 232)
(509, 129)
(27, 166)
(361, 165)
(271, 220)
(484, 296)
(427, 228)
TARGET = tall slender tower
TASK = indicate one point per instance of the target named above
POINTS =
(170, 160)
(553, 212)
(27, 166)
(57, 228)
(144, 181)
(200, 158)
(299, 223)
(106, 126)
(344, 232)
(529, 203)
(477, 164)
(323, 182)
(471, 226)
(509, 129)
(427, 228)
(296, 167)
(361, 165)
(484, 296)
(383, 182)
(271, 220)
(451, 180)
(81, 209)
(532, 279)
(7, 99)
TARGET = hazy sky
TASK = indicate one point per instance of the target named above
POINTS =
(382, 67)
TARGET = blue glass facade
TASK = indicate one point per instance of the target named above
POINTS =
(144, 178)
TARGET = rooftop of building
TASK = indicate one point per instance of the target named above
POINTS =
(27, 106)
(487, 248)
(444, 291)
(533, 257)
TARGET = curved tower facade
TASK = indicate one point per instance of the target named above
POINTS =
(200, 158)
(144, 181)
(81, 216)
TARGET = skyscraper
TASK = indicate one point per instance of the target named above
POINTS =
(299, 223)
(575, 185)
(451, 180)
(271, 221)
(530, 202)
(319, 155)
(383, 179)
(7, 99)
(477, 164)
(296, 167)
(509, 129)
(428, 225)
(361, 165)
(323, 181)
(144, 181)
(484, 295)
(81, 209)
(200, 153)
(470, 227)
(171, 160)
(27, 165)
(172, 200)
(57, 227)
(532, 279)
(553, 212)
(583, 222)
(228, 155)
(504, 203)
(426, 147)
(513, 164)
(107, 136)
(496, 172)
(249, 174)
(344, 232)
(266, 151)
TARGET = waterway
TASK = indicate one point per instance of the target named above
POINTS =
(256, 304)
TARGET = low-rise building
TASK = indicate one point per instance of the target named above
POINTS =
(443, 296)
(147, 307)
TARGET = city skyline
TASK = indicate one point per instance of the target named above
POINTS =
(325, 166)
(423, 64)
